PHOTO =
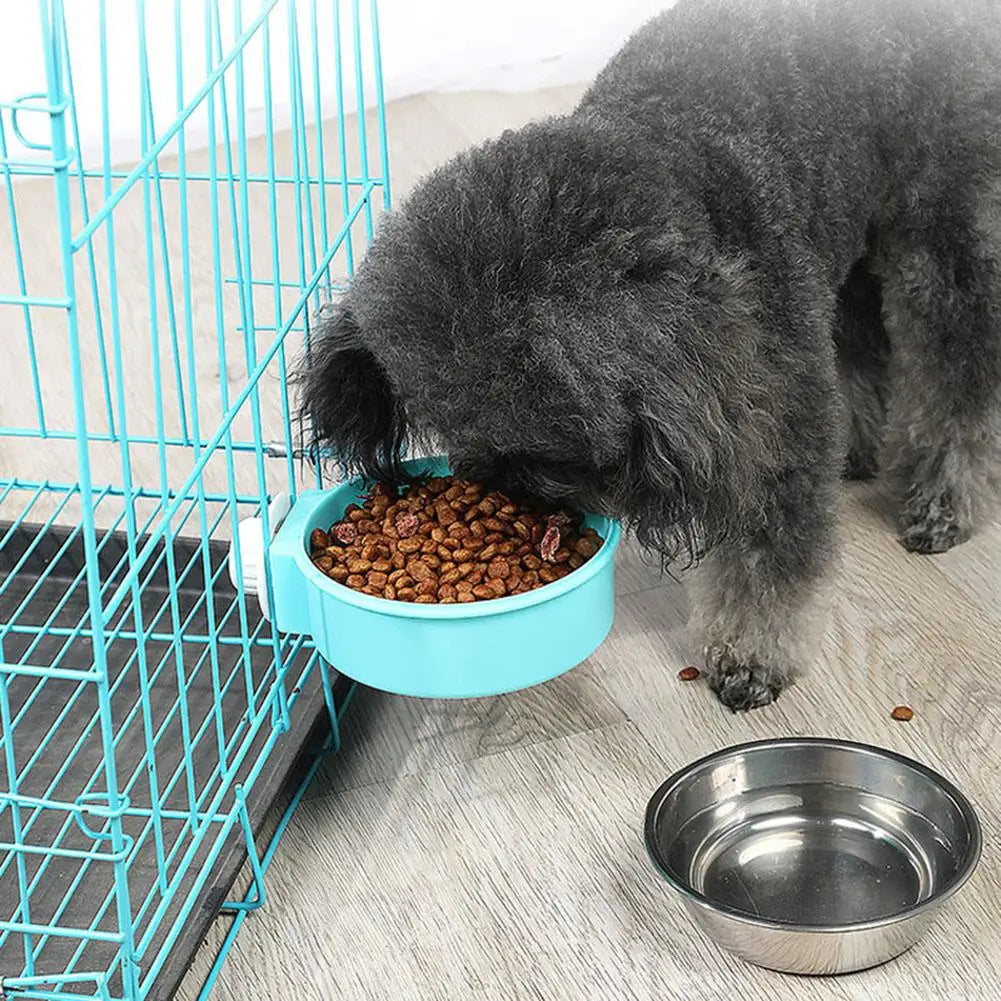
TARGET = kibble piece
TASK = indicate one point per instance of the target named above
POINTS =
(689, 674)
(445, 514)
(406, 525)
(903, 713)
(419, 570)
(411, 545)
(345, 533)
(550, 544)
(499, 568)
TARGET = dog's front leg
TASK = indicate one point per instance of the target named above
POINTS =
(758, 607)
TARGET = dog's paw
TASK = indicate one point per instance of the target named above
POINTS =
(930, 525)
(740, 684)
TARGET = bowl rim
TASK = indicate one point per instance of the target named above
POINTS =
(473, 610)
(961, 801)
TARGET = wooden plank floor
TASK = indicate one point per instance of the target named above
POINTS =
(492, 849)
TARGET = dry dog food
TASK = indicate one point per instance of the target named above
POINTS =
(449, 541)
(689, 674)
(903, 713)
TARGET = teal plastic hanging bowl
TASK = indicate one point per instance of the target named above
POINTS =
(438, 651)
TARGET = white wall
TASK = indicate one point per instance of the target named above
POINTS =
(426, 45)
(517, 45)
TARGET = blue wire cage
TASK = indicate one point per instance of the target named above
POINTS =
(184, 187)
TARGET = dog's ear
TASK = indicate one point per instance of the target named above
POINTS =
(348, 403)
(662, 494)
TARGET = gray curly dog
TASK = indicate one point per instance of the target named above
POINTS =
(764, 252)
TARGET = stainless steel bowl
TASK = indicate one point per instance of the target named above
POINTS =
(812, 856)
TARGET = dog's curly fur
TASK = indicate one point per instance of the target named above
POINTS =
(768, 239)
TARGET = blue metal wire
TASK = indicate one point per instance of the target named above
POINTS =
(91, 253)
(142, 697)
(53, 22)
(270, 852)
(342, 139)
(22, 299)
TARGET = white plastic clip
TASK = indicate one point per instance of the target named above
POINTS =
(253, 550)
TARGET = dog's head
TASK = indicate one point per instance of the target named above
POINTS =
(537, 310)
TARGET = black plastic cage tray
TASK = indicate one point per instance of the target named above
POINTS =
(52, 720)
